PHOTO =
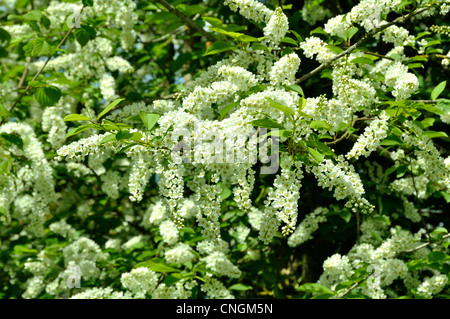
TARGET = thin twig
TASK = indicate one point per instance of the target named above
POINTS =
(25, 73)
(186, 20)
(421, 246)
(43, 67)
(358, 43)
(377, 55)
(347, 133)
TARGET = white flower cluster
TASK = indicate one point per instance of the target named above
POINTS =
(84, 253)
(403, 82)
(214, 289)
(284, 70)
(181, 253)
(102, 293)
(277, 27)
(432, 286)
(281, 204)
(221, 265)
(371, 138)
(139, 281)
(345, 181)
(308, 226)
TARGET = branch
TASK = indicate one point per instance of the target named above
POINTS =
(359, 43)
(421, 246)
(43, 67)
(186, 20)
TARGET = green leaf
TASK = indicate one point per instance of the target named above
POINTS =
(438, 90)
(320, 125)
(391, 140)
(33, 15)
(13, 139)
(289, 40)
(219, 46)
(3, 111)
(4, 35)
(109, 108)
(85, 34)
(443, 105)
(37, 47)
(362, 60)
(296, 88)
(240, 287)
(315, 289)
(123, 135)
(227, 109)
(317, 155)
(149, 119)
(76, 117)
(108, 138)
(79, 129)
(88, 3)
(267, 123)
(401, 170)
(157, 265)
(437, 256)
(47, 96)
(283, 108)
(433, 134)
(259, 46)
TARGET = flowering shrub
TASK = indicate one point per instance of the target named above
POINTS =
(224, 149)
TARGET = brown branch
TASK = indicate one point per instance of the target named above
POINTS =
(25, 73)
(421, 246)
(42, 68)
(377, 55)
(359, 43)
(186, 20)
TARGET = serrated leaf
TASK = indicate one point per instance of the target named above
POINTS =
(85, 34)
(283, 108)
(320, 125)
(434, 134)
(315, 289)
(267, 123)
(317, 155)
(109, 108)
(76, 117)
(149, 119)
(296, 88)
(13, 139)
(289, 40)
(4, 35)
(438, 90)
(362, 60)
(79, 129)
(157, 265)
(227, 109)
(3, 111)
(259, 46)
(218, 47)
(37, 47)
(47, 96)
(108, 138)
